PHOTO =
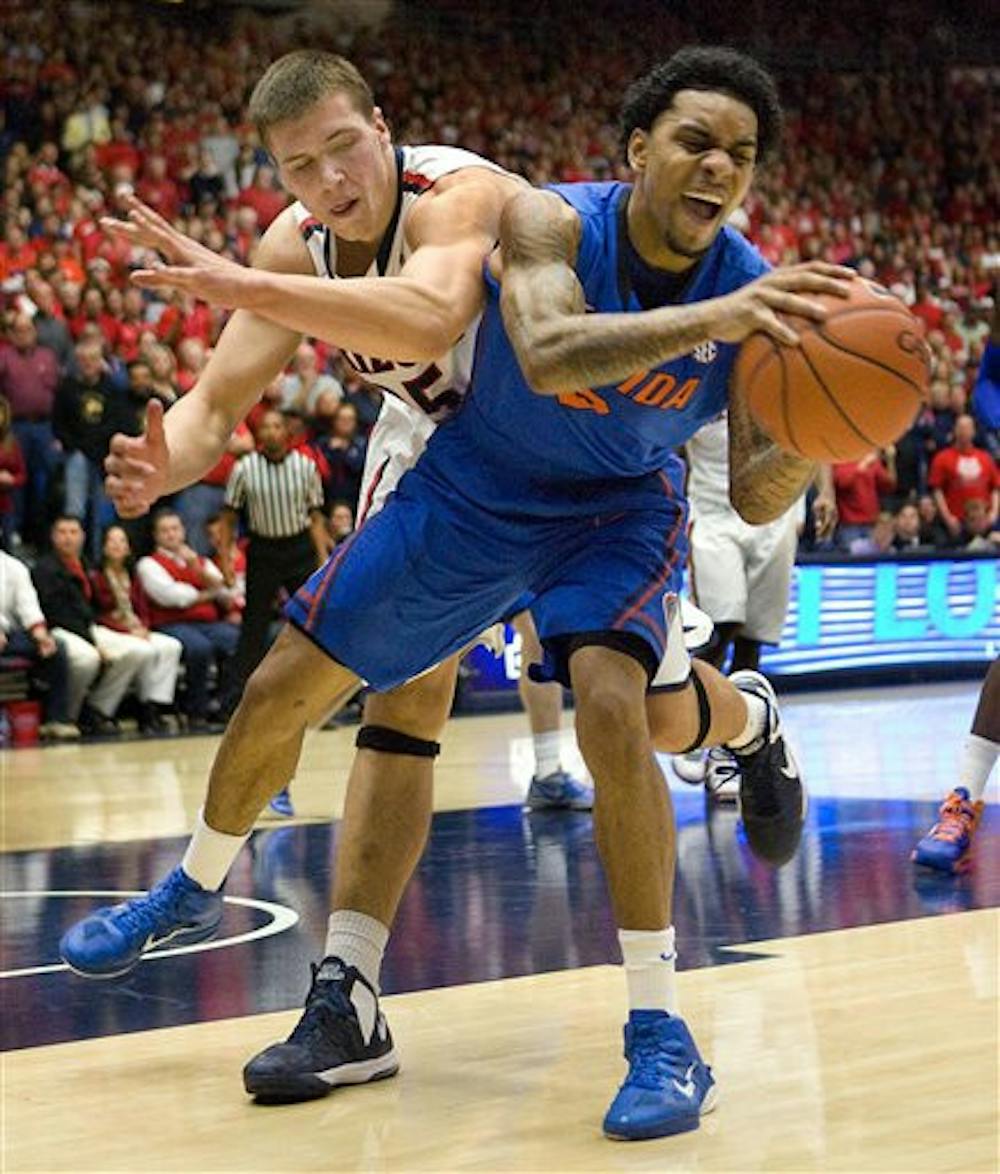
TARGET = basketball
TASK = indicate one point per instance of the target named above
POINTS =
(853, 384)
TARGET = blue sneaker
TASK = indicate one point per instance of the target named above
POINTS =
(111, 941)
(341, 1038)
(668, 1085)
(281, 804)
(559, 789)
(947, 847)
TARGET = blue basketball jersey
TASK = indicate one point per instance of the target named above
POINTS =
(511, 448)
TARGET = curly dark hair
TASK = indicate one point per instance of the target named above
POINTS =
(700, 67)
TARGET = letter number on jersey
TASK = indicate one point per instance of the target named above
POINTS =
(446, 400)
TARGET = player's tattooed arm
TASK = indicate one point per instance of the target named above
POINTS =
(764, 480)
(559, 345)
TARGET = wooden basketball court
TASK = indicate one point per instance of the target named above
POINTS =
(847, 1004)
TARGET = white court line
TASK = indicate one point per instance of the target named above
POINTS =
(282, 918)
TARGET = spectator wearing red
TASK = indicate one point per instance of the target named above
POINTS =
(131, 325)
(17, 253)
(157, 189)
(187, 597)
(859, 486)
(264, 196)
(121, 607)
(184, 318)
(203, 500)
(962, 473)
(13, 473)
(120, 151)
(93, 308)
(29, 375)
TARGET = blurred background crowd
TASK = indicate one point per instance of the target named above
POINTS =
(890, 165)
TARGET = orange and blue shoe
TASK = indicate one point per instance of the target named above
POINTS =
(947, 847)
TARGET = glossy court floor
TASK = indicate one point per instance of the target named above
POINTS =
(847, 1002)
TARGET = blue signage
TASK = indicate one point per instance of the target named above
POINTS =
(849, 616)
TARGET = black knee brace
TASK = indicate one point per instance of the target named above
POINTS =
(704, 713)
(390, 741)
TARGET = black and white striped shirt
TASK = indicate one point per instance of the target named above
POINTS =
(277, 495)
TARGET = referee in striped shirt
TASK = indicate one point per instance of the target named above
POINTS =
(281, 495)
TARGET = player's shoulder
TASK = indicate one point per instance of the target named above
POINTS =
(592, 203)
(283, 247)
(428, 165)
(460, 194)
(740, 260)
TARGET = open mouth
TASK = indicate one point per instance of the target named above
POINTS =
(701, 206)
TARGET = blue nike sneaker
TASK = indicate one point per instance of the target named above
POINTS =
(111, 941)
(281, 804)
(559, 789)
(341, 1038)
(668, 1086)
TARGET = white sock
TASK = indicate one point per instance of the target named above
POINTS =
(358, 940)
(978, 758)
(210, 854)
(756, 722)
(649, 958)
(547, 759)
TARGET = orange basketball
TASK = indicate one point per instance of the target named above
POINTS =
(855, 382)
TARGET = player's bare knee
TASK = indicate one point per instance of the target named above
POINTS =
(419, 708)
(609, 690)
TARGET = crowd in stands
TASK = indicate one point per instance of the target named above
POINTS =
(887, 167)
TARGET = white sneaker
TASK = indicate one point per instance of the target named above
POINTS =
(690, 767)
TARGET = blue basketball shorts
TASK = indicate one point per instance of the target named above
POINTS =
(423, 577)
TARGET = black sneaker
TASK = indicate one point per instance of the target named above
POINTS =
(773, 800)
(342, 1038)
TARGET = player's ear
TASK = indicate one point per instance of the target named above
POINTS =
(379, 123)
(638, 149)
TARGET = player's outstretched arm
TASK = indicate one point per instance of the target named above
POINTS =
(562, 348)
(178, 448)
(413, 317)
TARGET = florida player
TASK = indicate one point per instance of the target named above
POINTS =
(566, 477)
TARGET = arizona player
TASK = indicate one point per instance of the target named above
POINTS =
(405, 232)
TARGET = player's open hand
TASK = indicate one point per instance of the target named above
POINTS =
(147, 229)
(220, 282)
(757, 306)
(137, 466)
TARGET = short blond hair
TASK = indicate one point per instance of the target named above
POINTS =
(296, 82)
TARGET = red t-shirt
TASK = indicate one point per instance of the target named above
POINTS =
(267, 204)
(858, 487)
(964, 476)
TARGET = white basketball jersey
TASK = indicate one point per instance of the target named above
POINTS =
(433, 389)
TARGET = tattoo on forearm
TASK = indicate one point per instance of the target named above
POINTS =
(764, 480)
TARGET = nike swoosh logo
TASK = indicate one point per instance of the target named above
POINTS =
(786, 767)
(686, 1089)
